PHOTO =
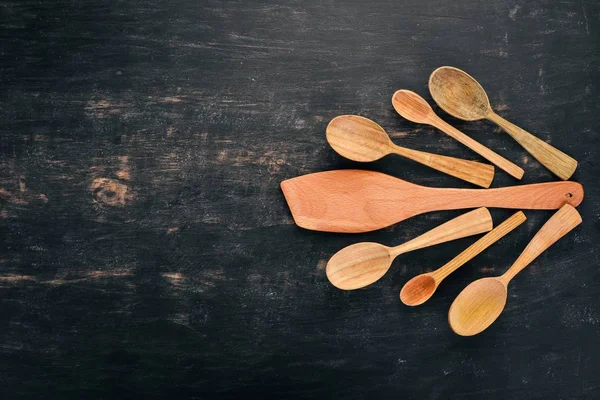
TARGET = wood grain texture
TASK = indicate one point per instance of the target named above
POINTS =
(420, 288)
(461, 96)
(362, 264)
(482, 302)
(354, 201)
(414, 108)
(146, 249)
(360, 139)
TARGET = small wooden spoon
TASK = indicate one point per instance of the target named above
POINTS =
(414, 108)
(482, 302)
(361, 264)
(420, 288)
(360, 139)
(461, 96)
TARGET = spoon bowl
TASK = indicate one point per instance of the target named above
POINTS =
(459, 94)
(418, 290)
(477, 306)
(358, 265)
(412, 107)
(358, 138)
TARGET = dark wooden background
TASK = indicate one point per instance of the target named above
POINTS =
(146, 249)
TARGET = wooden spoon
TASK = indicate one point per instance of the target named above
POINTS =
(360, 139)
(420, 288)
(414, 108)
(461, 96)
(480, 303)
(361, 264)
(360, 201)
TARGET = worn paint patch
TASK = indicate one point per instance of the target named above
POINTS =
(111, 193)
(104, 108)
(321, 265)
(124, 171)
(22, 197)
(16, 278)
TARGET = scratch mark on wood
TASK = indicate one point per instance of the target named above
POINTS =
(585, 19)
(512, 13)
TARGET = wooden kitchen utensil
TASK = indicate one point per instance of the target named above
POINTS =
(361, 201)
(480, 303)
(414, 108)
(420, 288)
(461, 96)
(361, 264)
(360, 139)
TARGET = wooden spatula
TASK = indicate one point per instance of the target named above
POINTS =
(355, 201)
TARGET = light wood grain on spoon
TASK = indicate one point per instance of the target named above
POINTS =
(482, 302)
(461, 96)
(420, 288)
(414, 108)
(362, 264)
(360, 139)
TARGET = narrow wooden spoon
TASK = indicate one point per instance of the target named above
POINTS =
(353, 200)
(420, 288)
(461, 96)
(414, 108)
(360, 139)
(361, 264)
(482, 302)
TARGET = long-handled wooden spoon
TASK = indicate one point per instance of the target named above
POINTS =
(461, 96)
(420, 288)
(361, 264)
(355, 200)
(360, 139)
(482, 302)
(414, 108)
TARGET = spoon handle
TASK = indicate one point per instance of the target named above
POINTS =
(471, 171)
(480, 245)
(555, 160)
(471, 223)
(561, 223)
(493, 157)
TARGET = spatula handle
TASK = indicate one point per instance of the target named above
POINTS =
(555, 160)
(491, 156)
(561, 223)
(471, 223)
(537, 196)
(480, 245)
(471, 171)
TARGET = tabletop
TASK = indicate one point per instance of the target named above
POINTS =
(147, 250)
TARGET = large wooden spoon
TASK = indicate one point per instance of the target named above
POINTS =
(414, 108)
(360, 201)
(482, 302)
(361, 264)
(360, 139)
(420, 288)
(461, 96)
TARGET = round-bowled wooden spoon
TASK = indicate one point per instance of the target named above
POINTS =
(420, 288)
(482, 302)
(361, 264)
(360, 139)
(414, 108)
(461, 96)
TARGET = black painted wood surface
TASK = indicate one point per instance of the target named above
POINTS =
(146, 249)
